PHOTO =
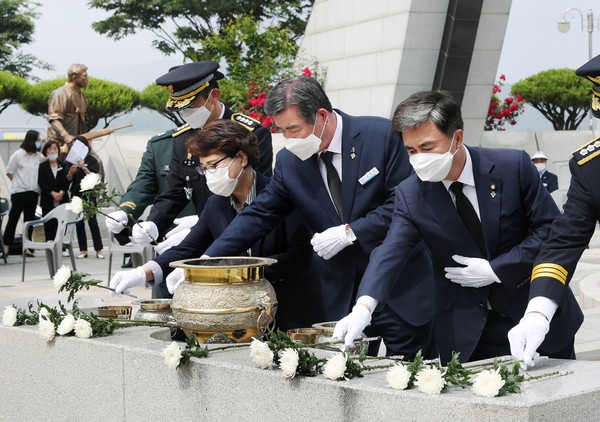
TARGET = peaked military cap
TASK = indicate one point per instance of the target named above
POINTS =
(186, 82)
(591, 71)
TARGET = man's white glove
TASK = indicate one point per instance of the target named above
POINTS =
(144, 233)
(124, 280)
(177, 234)
(526, 337)
(477, 273)
(327, 244)
(352, 325)
(116, 221)
(174, 279)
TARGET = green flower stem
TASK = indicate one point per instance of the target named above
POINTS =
(547, 375)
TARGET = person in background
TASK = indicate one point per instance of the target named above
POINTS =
(76, 173)
(52, 180)
(549, 180)
(227, 154)
(483, 214)
(340, 172)
(22, 170)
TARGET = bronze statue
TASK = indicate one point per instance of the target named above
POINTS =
(67, 106)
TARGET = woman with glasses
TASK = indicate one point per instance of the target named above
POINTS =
(227, 156)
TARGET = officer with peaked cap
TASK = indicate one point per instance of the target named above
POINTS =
(570, 236)
(549, 180)
(194, 93)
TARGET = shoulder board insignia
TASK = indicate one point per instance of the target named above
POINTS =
(181, 129)
(162, 135)
(587, 152)
(246, 121)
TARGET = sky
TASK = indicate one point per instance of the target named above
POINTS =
(532, 43)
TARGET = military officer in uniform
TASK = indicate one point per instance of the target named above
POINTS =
(167, 170)
(570, 236)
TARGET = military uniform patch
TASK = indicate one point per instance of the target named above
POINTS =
(246, 121)
(181, 129)
(587, 152)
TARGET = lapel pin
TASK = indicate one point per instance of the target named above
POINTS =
(353, 153)
(493, 192)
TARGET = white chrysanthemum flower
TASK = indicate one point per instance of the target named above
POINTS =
(488, 383)
(61, 276)
(46, 329)
(172, 354)
(335, 367)
(288, 362)
(9, 316)
(76, 204)
(261, 354)
(90, 181)
(66, 325)
(83, 329)
(43, 312)
(398, 377)
(429, 380)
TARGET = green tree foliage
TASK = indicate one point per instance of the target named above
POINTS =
(105, 100)
(179, 25)
(17, 28)
(561, 96)
(12, 88)
(155, 97)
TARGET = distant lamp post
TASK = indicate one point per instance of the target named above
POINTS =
(564, 25)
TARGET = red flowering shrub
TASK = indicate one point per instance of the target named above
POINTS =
(257, 95)
(502, 112)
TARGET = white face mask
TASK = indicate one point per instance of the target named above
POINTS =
(53, 157)
(196, 117)
(304, 148)
(433, 167)
(219, 182)
(540, 167)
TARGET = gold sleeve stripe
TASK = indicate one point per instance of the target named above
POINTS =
(588, 158)
(129, 204)
(554, 271)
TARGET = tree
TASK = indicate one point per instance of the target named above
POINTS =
(155, 97)
(105, 100)
(560, 95)
(17, 17)
(12, 89)
(179, 25)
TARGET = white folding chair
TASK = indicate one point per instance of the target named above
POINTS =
(52, 248)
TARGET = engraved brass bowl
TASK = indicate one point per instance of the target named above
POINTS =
(224, 299)
(154, 310)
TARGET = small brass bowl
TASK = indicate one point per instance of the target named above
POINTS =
(327, 327)
(119, 312)
(305, 335)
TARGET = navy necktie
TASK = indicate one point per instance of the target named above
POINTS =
(333, 180)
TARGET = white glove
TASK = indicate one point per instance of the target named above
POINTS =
(477, 273)
(116, 221)
(526, 337)
(183, 223)
(174, 279)
(124, 280)
(352, 325)
(175, 236)
(144, 233)
(328, 243)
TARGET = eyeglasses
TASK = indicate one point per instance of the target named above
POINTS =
(210, 168)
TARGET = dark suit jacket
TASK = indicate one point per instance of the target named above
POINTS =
(183, 175)
(516, 213)
(550, 181)
(367, 143)
(48, 183)
(294, 277)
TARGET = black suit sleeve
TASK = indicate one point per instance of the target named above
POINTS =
(265, 146)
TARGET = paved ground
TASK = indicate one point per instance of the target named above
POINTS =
(38, 286)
